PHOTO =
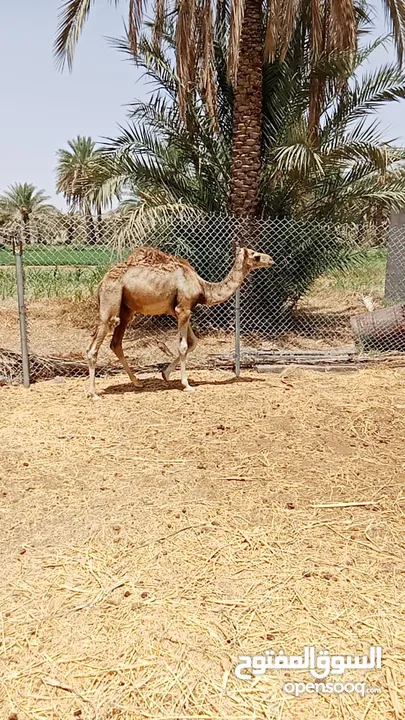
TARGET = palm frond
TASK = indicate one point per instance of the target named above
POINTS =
(72, 18)
(395, 16)
(235, 25)
(144, 212)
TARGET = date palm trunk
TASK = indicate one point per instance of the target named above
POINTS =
(247, 121)
(90, 228)
(246, 141)
(100, 229)
(26, 231)
(69, 230)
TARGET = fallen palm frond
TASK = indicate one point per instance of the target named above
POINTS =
(41, 368)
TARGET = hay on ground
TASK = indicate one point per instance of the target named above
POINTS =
(150, 539)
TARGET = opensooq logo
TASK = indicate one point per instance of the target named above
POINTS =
(320, 664)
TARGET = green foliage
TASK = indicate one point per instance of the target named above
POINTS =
(59, 255)
(22, 200)
(302, 252)
(8, 286)
(83, 176)
(52, 282)
(169, 166)
(368, 275)
(56, 270)
(341, 174)
(22, 208)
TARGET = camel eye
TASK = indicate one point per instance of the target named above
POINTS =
(256, 257)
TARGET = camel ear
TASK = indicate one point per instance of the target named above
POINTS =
(243, 253)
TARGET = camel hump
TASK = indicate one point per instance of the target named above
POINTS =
(116, 273)
(154, 258)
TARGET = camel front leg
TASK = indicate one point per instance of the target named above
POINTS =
(183, 320)
(191, 345)
(183, 347)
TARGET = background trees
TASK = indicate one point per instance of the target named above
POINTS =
(82, 176)
(253, 33)
(163, 160)
(24, 202)
(170, 165)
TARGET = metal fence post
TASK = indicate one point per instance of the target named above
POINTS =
(235, 248)
(17, 251)
(237, 333)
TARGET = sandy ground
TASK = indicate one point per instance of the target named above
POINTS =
(149, 539)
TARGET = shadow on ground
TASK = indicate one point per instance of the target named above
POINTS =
(156, 385)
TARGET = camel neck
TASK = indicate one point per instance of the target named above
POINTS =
(216, 293)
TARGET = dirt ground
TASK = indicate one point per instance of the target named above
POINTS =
(150, 539)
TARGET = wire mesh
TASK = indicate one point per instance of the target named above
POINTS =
(323, 274)
(331, 287)
(64, 261)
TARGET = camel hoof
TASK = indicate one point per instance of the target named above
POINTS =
(138, 384)
(189, 388)
(165, 376)
(95, 397)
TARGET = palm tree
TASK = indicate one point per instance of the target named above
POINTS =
(257, 33)
(163, 161)
(75, 171)
(170, 167)
(80, 173)
(22, 202)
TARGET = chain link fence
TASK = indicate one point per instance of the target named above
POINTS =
(334, 291)
(10, 340)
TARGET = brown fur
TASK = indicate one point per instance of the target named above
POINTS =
(116, 272)
(153, 257)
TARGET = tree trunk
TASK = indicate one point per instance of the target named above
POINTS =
(247, 133)
(26, 230)
(99, 225)
(247, 120)
(91, 230)
(91, 238)
(69, 230)
(39, 236)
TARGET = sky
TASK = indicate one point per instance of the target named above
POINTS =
(43, 108)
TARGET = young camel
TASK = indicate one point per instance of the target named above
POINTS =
(151, 282)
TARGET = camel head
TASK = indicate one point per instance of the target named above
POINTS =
(253, 259)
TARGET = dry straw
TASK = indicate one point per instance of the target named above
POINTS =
(150, 539)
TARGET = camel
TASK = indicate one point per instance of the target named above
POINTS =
(152, 282)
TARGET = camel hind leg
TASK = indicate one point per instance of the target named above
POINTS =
(92, 351)
(109, 310)
(116, 343)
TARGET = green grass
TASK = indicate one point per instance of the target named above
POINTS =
(57, 282)
(51, 272)
(57, 255)
(55, 271)
(367, 274)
